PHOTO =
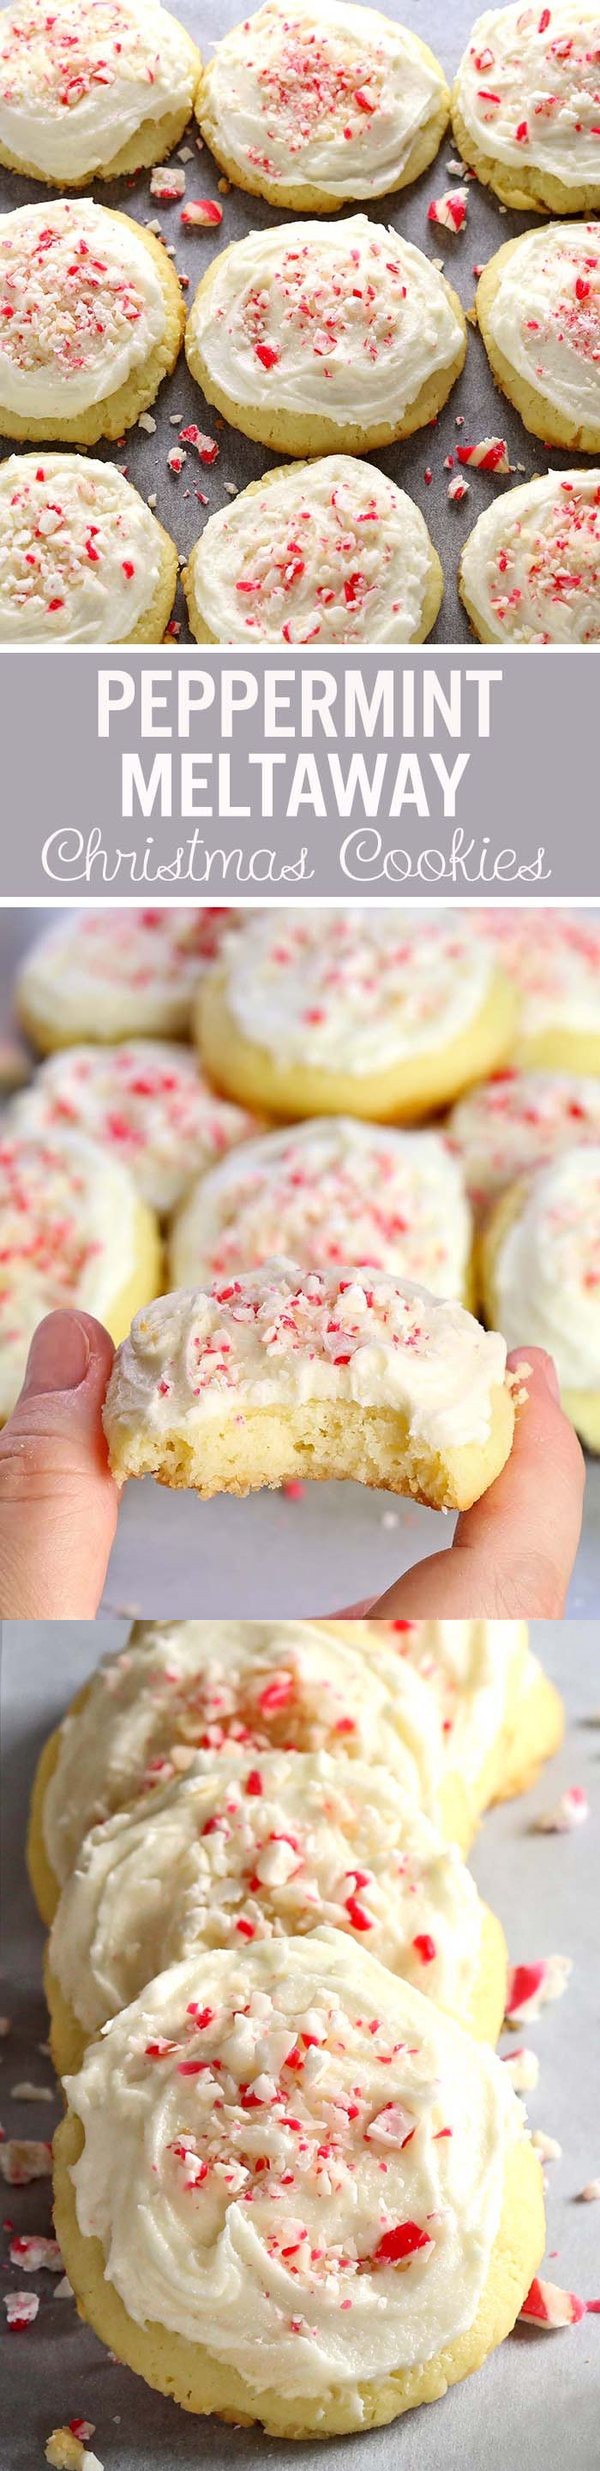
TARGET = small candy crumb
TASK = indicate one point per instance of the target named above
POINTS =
(224, 188)
(569, 1812)
(65, 2451)
(166, 182)
(590, 2195)
(487, 455)
(147, 422)
(21, 2309)
(176, 459)
(185, 154)
(523, 2069)
(205, 447)
(450, 210)
(24, 2158)
(530, 1987)
(547, 2305)
(201, 214)
(31, 2093)
(546, 2146)
(458, 489)
(428, 474)
(294, 1491)
(35, 2254)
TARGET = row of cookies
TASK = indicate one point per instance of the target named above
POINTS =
(292, 1795)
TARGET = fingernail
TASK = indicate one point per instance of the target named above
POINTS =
(58, 1356)
(551, 1377)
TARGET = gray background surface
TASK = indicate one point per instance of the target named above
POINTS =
(446, 25)
(536, 2405)
(175, 1555)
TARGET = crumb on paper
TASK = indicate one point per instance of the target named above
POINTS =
(569, 1812)
(21, 2309)
(167, 183)
(26, 2092)
(67, 2452)
(23, 2158)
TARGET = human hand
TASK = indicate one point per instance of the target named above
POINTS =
(512, 1555)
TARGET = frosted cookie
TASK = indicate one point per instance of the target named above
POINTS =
(146, 1103)
(341, 1012)
(538, 310)
(325, 552)
(316, 338)
(541, 1275)
(556, 973)
(330, 1191)
(299, 2244)
(530, 570)
(500, 1715)
(92, 87)
(311, 105)
(180, 1687)
(240, 1852)
(82, 559)
(519, 1121)
(73, 1231)
(116, 973)
(282, 1372)
(525, 106)
(536, 1731)
(91, 319)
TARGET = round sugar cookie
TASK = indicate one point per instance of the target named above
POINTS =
(314, 338)
(525, 106)
(73, 1231)
(538, 1723)
(373, 1012)
(538, 310)
(475, 1670)
(92, 88)
(311, 105)
(530, 569)
(91, 320)
(283, 1372)
(518, 1121)
(328, 1191)
(112, 974)
(82, 558)
(556, 974)
(240, 1852)
(540, 1275)
(324, 552)
(180, 1687)
(256, 2202)
(147, 1104)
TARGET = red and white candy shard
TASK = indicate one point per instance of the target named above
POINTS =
(549, 2306)
(23, 2159)
(531, 1987)
(569, 1812)
(21, 2309)
(487, 455)
(167, 182)
(201, 214)
(35, 2254)
(458, 489)
(205, 447)
(450, 210)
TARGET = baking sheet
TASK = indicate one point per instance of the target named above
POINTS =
(445, 25)
(175, 1555)
(536, 2403)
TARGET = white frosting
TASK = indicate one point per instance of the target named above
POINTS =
(257, 2264)
(281, 1337)
(80, 553)
(67, 1237)
(518, 1121)
(178, 1687)
(527, 89)
(547, 1268)
(476, 1670)
(531, 567)
(81, 305)
(330, 1190)
(112, 973)
(79, 78)
(347, 320)
(332, 553)
(545, 316)
(557, 970)
(328, 97)
(235, 1851)
(147, 1103)
(354, 991)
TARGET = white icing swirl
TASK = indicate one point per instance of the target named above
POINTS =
(330, 1190)
(259, 2264)
(545, 316)
(348, 321)
(556, 971)
(531, 567)
(547, 1268)
(280, 1337)
(67, 1237)
(518, 1121)
(111, 973)
(237, 1851)
(79, 78)
(81, 305)
(354, 991)
(178, 1687)
(335, 553)
(528, 87)
(80, 553)
(147, 1103)
(476, 1670)
(330, 97)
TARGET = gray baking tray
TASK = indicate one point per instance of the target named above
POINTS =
(536, 2405)
(445, 25)
(268, 1555)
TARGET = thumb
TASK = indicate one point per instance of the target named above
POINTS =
(58, 1502)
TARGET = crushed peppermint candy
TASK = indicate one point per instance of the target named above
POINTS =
(569, 1812)
(531, 1987)
(523, 2068)
(23, 2159)
(167, 183)
(35, 2253)
(205, 447)
(548, 2306)
(201, 214)
(147, 422)
(176, 458)
(66, 2448)
(21, 2309)
(487, 455)
(457, 490)
(450, 210)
